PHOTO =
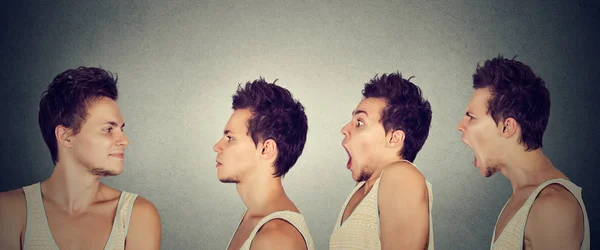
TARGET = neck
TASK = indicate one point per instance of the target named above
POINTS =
(261, 193)
(71, 186)
(378, 167)
(524, 168)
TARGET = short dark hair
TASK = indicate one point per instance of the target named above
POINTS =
(405, 110)
(65, 100)
(276, 115)
(518, 93)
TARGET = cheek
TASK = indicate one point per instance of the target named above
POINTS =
(365, 144)
(364, 147)
(477, 137)
(481, 137)
(85, 144)
(240, 154)
(92, 148)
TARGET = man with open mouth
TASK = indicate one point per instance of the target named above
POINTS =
(504, 124)
(390, 207)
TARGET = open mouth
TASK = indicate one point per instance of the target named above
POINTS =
(349, 163)
(474, 155)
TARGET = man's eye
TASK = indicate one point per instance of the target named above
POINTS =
(359, 123)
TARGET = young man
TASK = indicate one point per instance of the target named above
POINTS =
(390, 207)
(83, 128)
(262, 140)
(503, 125)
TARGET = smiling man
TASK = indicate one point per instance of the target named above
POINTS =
(504, 124)
(262, 140)
(390, 207)
(83, 129)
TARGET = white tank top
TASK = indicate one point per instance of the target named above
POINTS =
(37, 232)
(361, 229)
(514, 231)
(296, 219)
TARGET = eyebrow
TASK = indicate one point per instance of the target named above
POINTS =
(226, 131)
(114, 124)
(359, 111)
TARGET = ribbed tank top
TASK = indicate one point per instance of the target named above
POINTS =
(37, 232)
(296, 219)
(514, 231)
(361, 229)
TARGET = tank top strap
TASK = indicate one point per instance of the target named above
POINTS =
(116, 240)
(37, 231)
(575, 191)
(296, 219)
(514, 231)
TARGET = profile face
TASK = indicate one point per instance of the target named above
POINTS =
(481, 133)
(236, 152)
(100, 144)
(364, 136)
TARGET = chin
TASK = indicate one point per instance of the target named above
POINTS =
(117, 170)
(225, 178)
(487, 171)
(105, 172)
(483, 174)
(354, 175)
(228, 180)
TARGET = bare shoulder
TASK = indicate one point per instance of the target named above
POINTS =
(566, 223)
(556, 202)
(145, 227)
(12, 203)
(13, 213)
(144, 210)
(402, 201)
(402, 175)
(277, 233)
(15, 196)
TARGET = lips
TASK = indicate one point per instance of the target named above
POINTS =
(218, 163)
(118, 155)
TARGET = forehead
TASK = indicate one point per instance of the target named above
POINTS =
(479, 100)
(238, 122)
(103, 109)
(372, 106)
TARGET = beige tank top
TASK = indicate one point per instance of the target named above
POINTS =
(296, 219)
(361, 229)
(37, 232)
(512, 234)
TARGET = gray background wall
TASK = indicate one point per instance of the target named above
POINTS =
(179, 63)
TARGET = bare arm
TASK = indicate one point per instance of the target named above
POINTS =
(144, 227)
(278, 234)
(13, 210)
(555, 222)
(403, 208)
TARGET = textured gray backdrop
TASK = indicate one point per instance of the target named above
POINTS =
(179, 63)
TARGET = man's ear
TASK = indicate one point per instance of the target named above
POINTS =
(63, 135)
(509, 127)
(269, 149)
(396, 139)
